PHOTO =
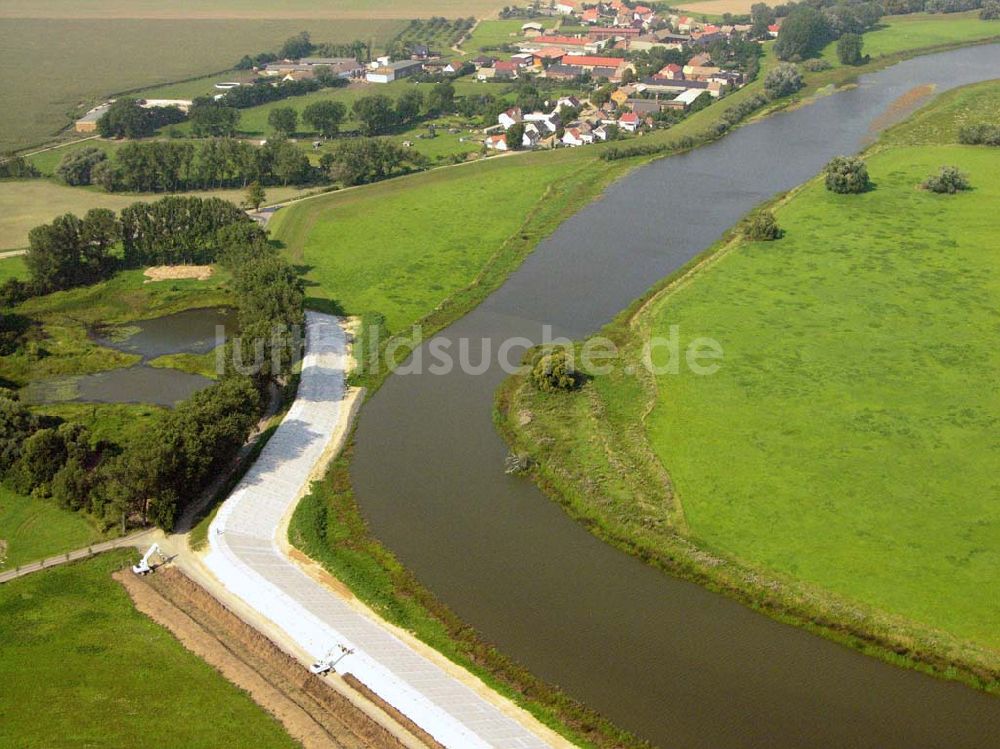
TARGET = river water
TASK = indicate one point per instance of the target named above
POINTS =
(672, 662)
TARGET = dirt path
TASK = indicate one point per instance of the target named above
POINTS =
(136, 539)
(309, 709)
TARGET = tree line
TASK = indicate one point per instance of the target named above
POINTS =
(169, 166)
(73, 251)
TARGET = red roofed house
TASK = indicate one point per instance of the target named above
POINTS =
(673, 71)
(497, 142)
(590, 62)
(506, 69)
(629, 121)
(773, 29)
(590, 15)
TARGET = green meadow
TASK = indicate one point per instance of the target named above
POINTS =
(494, 33)
(403, 247)
(33, 529)
(81, 667)
(845, 448)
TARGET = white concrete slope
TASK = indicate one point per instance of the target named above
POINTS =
(248, 560)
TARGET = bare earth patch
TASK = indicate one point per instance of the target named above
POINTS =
(309, 709)
(718, 7)
(178, 272)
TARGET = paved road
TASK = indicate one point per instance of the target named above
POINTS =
(246, 555)
(135, 539)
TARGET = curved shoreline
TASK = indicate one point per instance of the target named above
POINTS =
(470, 489)
(248, 557)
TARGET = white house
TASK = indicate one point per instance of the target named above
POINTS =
(511, 117)
(573, 137)
(629, 121)
(532, 135)
(547, 121)
(566, 7)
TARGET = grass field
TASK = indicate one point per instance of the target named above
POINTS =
(845, 445)
(95, 58)
(252, 9)
(81, 667)
(24, 204)
(897, 34)
(356, 245)
(493, 34)
(12, 267)
(34, 528)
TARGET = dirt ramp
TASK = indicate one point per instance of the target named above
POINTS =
(311, 711)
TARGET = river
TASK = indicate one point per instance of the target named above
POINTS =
(674, 663)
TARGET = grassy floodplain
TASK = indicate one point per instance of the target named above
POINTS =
(97, 58)
(448, 225)
(843, 453)
(34, 529)
(80, 666)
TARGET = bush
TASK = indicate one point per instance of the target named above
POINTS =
(75, 167)
(554, 372)
(846, 175)
(783, 80)
(948, 181)
(17, 167)
(849, 49)
(990, 11)
(816, 65)
(982, 134)
(761, 226)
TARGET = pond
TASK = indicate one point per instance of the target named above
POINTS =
(193, 331)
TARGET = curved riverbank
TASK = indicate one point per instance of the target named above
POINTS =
(678, 664)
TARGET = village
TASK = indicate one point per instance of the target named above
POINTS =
(608, 55)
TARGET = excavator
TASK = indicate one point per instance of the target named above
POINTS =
(144, 568)
(325, 665)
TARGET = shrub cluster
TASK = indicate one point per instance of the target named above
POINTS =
(783, 80)
(13, 166)
(846, 175)
(948, 181)
(982, 134)
(554, 372)
(761, 226)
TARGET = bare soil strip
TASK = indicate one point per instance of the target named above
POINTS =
(310, 710)
(178, 272)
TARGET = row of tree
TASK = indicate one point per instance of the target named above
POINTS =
(126, 118)
(72, 251)
(301, 45)
(170, 166)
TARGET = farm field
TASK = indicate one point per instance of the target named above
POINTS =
(33, 529)
(102, 674)
(249, 9)
(98, 58)
(495, 33)
(698, 8)
(354, 256)
(855, 337)
(24, 204)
